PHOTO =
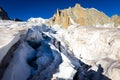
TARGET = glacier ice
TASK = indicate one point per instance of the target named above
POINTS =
(47, 52)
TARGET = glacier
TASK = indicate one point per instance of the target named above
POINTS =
(53, 53)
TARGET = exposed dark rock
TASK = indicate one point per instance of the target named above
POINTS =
(16, 19)
(3, 14)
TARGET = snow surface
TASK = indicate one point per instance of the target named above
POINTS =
(60, 49)
(9, 35)
(93, 43)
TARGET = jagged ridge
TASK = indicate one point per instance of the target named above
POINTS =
(82, 16)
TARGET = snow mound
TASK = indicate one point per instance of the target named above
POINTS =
(37, 20)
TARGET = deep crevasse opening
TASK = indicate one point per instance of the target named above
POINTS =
(34, 58)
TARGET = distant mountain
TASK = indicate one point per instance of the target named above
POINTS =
(3, 14)
(16, 19)
(83, 17)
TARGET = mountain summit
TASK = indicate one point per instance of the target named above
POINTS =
(81, 16)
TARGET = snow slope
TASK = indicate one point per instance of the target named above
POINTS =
(18, 68)
(95, 46)
(9, 35)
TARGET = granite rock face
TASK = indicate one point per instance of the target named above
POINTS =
(116, 20)
(3, 14)
(79, 15)
(83, 17)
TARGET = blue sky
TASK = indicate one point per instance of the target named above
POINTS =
(24, 9)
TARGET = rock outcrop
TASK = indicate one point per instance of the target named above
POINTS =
(3, 14)
(83, 17)
(116, 20)
(16, 19)
(79, 15)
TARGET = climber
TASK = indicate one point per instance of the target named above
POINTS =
(98, 75)
(59, 46)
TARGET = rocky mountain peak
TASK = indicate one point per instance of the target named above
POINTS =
(79, 15)
(3, 14)
(77, 6)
